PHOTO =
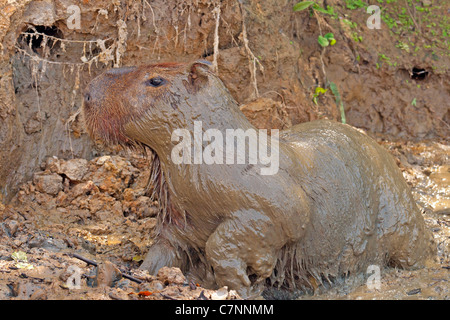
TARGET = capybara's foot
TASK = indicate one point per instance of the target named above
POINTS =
(234, 251)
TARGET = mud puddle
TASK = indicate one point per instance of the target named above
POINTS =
(99, 210)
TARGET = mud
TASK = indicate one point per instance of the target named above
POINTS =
(336, 204)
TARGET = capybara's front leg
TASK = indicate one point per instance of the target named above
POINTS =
(160, 254)
(244, 245)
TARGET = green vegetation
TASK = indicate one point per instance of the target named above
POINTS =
(314, 6)
(326, 40)
(340, 104)
(419, 28)
(317, 92)
(355, 4)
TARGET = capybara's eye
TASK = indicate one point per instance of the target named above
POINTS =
(87, 97)
(155, 82)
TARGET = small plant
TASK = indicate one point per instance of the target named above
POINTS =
(383, 57)
(355, 4)
(356, 37)
(326, 40)
(317, 92)
(307, 4)
(403, 46)
(351, 24)
(337, 95)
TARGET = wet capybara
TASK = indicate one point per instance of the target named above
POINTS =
(335, 204)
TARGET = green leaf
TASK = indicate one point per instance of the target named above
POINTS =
(319, 8)
(414, 102)
(318, 91)
(337, 95)
(332, 42)
(303, 5)
(323, 41)
(329, 36)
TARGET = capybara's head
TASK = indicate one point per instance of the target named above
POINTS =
(122, 101)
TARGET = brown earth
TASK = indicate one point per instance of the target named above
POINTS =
(269, 58)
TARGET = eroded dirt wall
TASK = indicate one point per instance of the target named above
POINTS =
(266, 54)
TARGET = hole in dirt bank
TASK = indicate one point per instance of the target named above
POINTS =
(41, 39)
(418, 73)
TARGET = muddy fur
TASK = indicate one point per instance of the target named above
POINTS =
(337, 204)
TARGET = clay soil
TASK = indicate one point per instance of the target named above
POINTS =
(65, 198)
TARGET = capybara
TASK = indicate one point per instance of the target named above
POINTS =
(335, 204)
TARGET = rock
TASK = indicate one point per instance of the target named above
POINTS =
(81, 190)
(52, 164)
(74, 169)
(221, 294)
(54, 245)
(153, 286)
(27, 291)
(171, 276)
(39, 294)
(101, 160)
(40, 13)
(142, 207)
(10, 227)
(441, 176)
(107, 274)
(48, 183)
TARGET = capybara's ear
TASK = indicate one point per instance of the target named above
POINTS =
(198, 75)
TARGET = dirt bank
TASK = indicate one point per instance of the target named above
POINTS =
(392, 80)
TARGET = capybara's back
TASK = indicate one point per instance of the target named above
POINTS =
(364, 212)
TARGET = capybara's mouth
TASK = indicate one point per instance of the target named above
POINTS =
(103, 112)
(119, 95)
(104, 127)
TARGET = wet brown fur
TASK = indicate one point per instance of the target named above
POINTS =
(321, 163)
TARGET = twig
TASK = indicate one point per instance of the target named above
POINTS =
(153, 16)
(34, 34)
(94, 263)
(37, 58)
(412, 18)
(323, 48)
(252, 59)
(88, 261)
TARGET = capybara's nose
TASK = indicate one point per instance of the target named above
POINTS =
(87, 99)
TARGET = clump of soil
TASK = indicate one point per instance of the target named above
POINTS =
(99, 211)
